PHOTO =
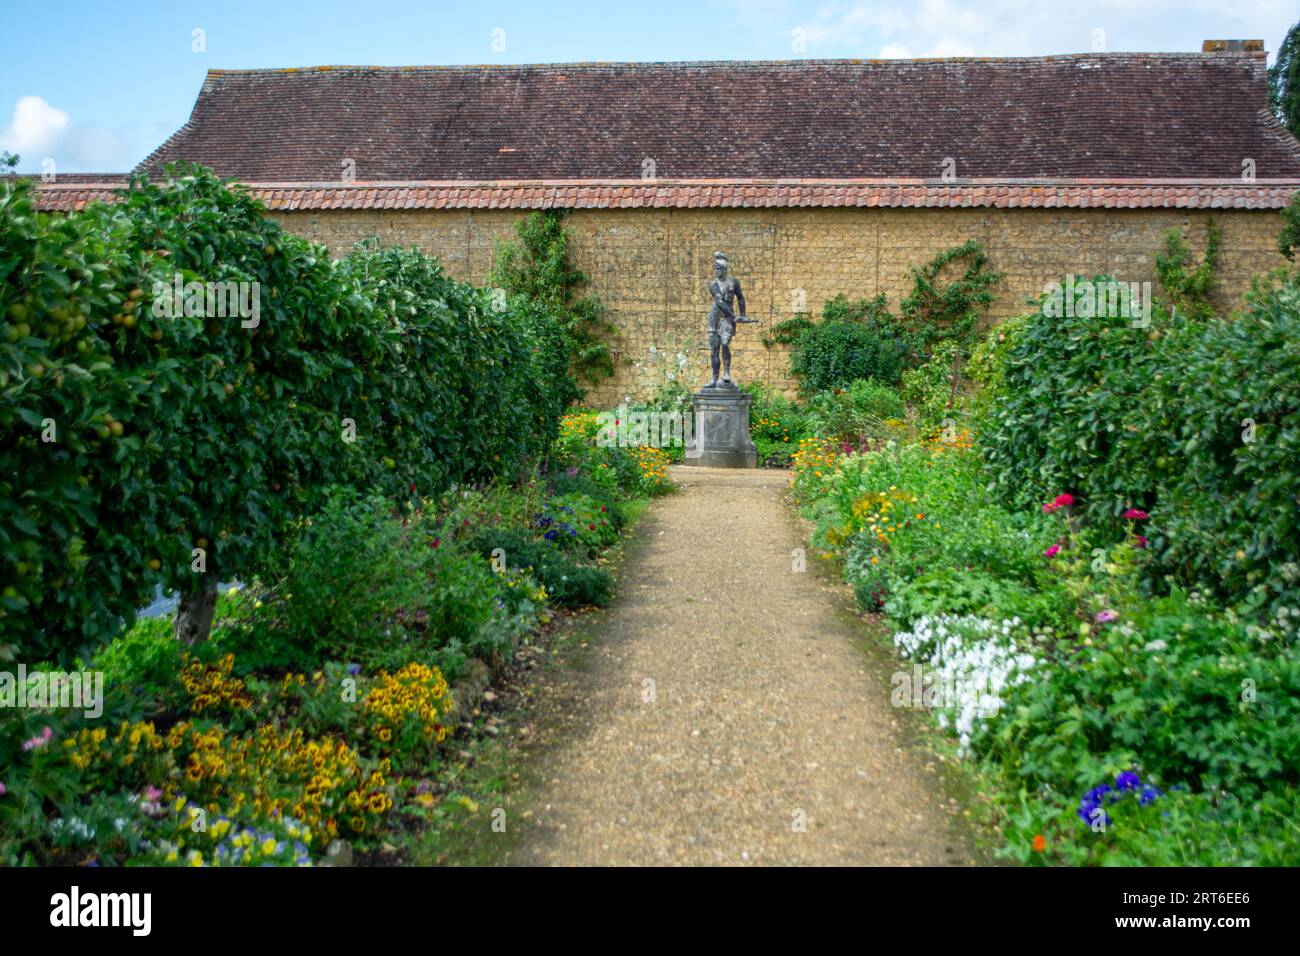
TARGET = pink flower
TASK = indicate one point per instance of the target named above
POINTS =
(2, 789)
(1140, 541)
(40, 740)
(1052, 551)
(152, 793)
(1060, 501)
(1136, 514)
(1106, 616)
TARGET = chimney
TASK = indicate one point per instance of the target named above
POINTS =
(1232, 46)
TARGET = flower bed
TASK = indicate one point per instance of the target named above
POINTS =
(1118, 707)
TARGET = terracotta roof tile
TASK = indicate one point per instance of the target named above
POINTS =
(1072, 194)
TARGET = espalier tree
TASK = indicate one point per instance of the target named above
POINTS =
(154, 438)
(537, 267)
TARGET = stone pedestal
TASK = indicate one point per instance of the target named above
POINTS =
(721, 438)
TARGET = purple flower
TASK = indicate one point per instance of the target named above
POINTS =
(2, 788)
(1106, 616)
(1149, 795)
(1128, 780)
(1093, 800)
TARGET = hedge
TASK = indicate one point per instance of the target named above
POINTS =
(1195, 421)
(143, 447)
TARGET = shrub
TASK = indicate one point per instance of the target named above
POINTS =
(1289, 238)
(936, 388)
(140, 670)
(1161, 691)
(364, 584)
(835, 352)
(1076, 412)
(1226, 517)
(173, 433)
(864, 410)
(567, 583)
(772, 416)
(1197, 423)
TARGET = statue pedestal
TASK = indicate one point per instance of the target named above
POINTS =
(721, 438)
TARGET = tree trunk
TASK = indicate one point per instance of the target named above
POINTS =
(194, 613)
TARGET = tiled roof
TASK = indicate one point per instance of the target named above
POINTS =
(1154, 116)
(637, 193)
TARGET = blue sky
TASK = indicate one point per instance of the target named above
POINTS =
(96, 85)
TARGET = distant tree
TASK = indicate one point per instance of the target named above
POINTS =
(8, 161)
(1290, 237)
(1284, 82)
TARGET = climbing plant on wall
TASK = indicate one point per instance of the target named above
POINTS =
(537, 266)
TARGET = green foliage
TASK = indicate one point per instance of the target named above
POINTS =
(773, 417)
(175, 432)
(1187, 287)
(950, 311)
(1198, 701)
(952, 550)
(1226, 517)
(1284, 82)
(365, 584)
(987, 366)
(141, 670)
(862, 339)
(1197, 423)
(936, 388)
(1289, 238)
(568, 583)
(861, 412)
(1161, 691)
(842, 309)
(836, 352)
(537, 267)
(1076, 411)
(788, 332)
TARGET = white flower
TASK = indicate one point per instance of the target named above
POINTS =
(1156, 646)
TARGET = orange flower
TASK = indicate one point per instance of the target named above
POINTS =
(1040, 843)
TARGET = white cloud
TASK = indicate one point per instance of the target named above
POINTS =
(38, 131)
(35, 127)
(1035, 27)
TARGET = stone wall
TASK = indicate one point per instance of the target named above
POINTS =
(650, 267)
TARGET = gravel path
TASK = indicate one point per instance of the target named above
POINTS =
(765, 710)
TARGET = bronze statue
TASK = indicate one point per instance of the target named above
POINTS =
(726, 294)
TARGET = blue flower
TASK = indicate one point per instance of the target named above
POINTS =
(1149, 795)
(1098, 794)
(1088, 808)
(1128, 780)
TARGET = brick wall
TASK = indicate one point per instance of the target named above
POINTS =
(650, 267)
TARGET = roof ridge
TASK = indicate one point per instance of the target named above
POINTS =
(1213, 57)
